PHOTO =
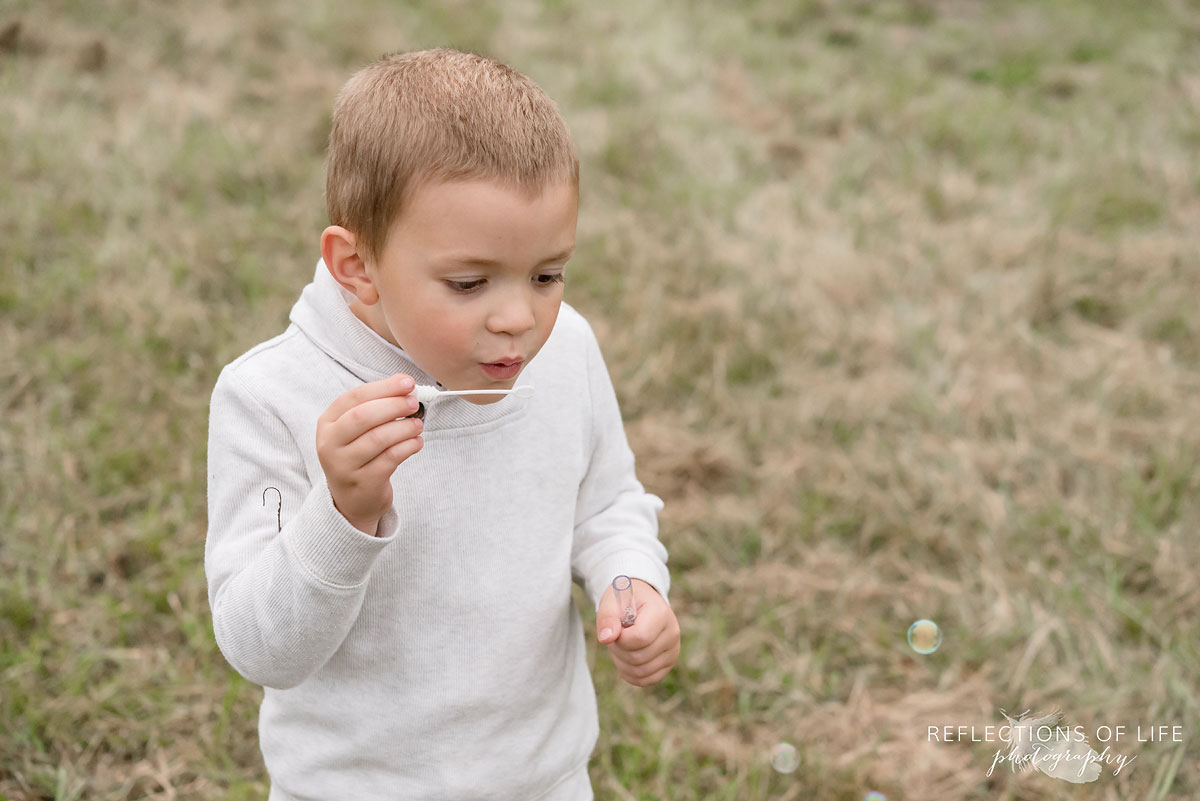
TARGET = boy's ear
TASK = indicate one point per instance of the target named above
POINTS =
(339, 249)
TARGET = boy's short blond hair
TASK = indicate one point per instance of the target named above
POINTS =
(437, 115)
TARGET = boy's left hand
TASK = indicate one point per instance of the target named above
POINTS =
(646, 651)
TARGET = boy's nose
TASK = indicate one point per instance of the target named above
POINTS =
(512, 316)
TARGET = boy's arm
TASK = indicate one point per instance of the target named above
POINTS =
(282, 600)
(616, 520)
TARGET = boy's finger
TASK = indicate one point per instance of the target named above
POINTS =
(638, 642)
(398, 384)
(608, 618)
(652, 678)
(377, 441)
(633, 659)
(643, 669)
(361, 420)
(387, 460)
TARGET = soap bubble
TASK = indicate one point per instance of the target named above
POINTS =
(924, 636)
(784, 759)
(874, 796)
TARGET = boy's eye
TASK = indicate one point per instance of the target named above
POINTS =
(546, 279)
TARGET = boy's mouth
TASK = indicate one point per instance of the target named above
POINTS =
(502, 370)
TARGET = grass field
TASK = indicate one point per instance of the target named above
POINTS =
(900, 300)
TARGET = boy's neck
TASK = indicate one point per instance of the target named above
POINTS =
(363, 312)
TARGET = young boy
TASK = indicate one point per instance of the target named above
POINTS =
(408, 611)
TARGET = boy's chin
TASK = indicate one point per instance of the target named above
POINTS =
(486, 400)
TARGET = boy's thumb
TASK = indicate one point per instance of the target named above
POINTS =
(608, 622)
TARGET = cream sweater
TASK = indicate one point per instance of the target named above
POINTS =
(443, 659)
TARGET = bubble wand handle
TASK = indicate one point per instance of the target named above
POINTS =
(623, 588)
(425, 394)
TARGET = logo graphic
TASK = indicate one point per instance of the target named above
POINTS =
(1044, 744)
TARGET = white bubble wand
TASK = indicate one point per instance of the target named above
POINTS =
(427, 394)
(623, 587)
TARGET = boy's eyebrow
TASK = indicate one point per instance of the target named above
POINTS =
(477, 261)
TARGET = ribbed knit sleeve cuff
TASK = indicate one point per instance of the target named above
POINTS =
(634, 564)
(330, 549)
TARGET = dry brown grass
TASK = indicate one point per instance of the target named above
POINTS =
(899, 298)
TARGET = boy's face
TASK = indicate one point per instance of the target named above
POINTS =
(472, 275)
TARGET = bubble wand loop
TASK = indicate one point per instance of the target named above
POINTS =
(623, 587)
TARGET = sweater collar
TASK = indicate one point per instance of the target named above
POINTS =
(323, 314)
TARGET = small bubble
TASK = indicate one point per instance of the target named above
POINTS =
(924, 636)
(784, 759)
(874, 796)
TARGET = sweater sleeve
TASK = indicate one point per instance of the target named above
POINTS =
(616, 520)
(283, 598)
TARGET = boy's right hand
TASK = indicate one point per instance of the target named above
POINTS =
(360, 443)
